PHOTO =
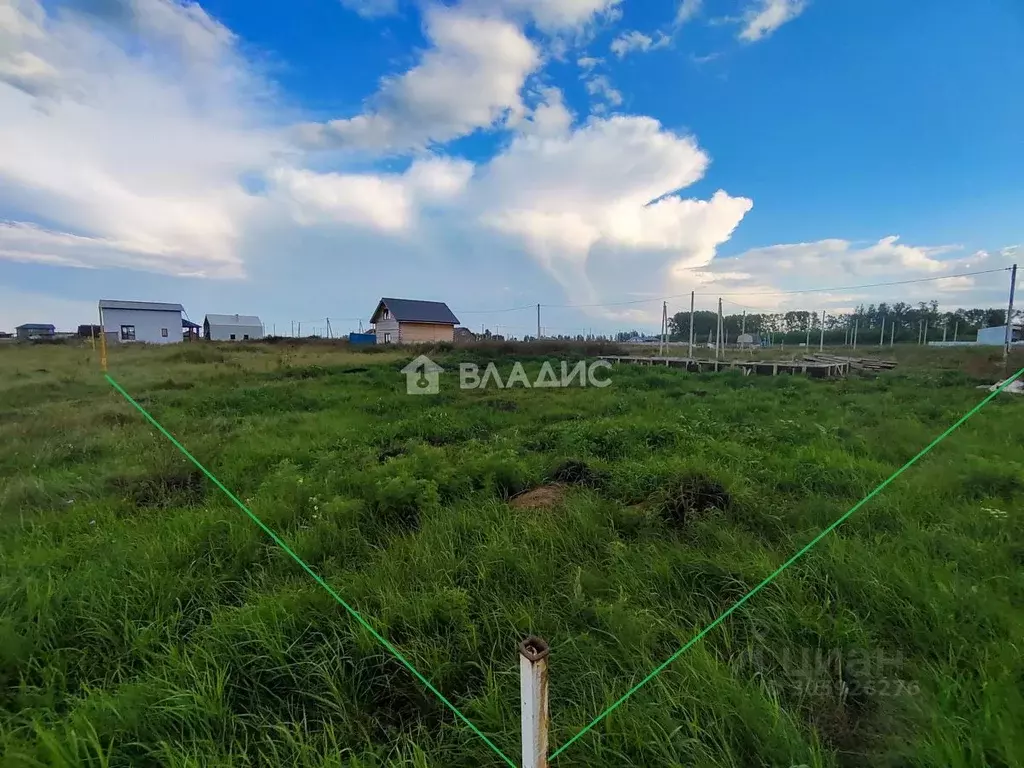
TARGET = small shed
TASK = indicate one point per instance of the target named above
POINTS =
(232, 327)
(412, 321)
(29, 331)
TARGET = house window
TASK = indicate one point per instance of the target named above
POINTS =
(385, 315)
(387, 338)
(245, 337)
(163, 332)
(232, 337)
(127, 333)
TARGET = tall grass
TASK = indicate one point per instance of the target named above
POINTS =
(144, 621)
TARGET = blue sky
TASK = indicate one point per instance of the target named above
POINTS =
(300, 163)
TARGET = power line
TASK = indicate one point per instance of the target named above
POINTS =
(781, 293)
(495, 311)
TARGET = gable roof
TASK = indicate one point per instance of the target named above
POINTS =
(236, 320)
(150, 305)
(415, 311)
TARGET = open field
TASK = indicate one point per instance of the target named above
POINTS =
(146, 621)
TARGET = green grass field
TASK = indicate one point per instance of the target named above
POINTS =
(146, 621)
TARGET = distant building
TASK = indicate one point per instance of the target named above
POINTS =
(463, 334)
(409, 321)
(996, 335)
(30, 331)
(232, 327)
(748, 340)
(89, 331)
(152, 322)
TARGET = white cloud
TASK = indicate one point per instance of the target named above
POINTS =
(765, 16)
(127, 149)
(758, 277)
(371, 8)
(554, 15)
(471, 78)
(633, 40)
(608, 189)
(688, 9)
(131, 153)
(550, 117)
(385, 202)
(588, 62)
(601, 87)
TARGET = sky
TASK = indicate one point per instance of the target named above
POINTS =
(299, 161)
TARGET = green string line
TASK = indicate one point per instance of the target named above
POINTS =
(661, 667)
(277, 540)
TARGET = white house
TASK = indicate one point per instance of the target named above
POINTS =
(153, 322)
(232, 327)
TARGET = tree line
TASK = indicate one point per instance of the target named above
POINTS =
(793, 326)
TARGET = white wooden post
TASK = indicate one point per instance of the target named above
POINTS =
(533, 699)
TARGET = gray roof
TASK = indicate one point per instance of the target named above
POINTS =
(415, 311)
(158, 306)
(34, 327)
(246, 320)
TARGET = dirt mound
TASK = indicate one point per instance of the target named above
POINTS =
(691, 496)
(541, 497)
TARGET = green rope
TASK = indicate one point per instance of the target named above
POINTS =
(277, 540)
(661, 667)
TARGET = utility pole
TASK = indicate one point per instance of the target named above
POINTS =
(538, 322)
(718, 337)
(1009, 316)
(807, 341)
(691, 324)
(855, 333)
(925, 337)
(945, 325)
(743, 323)
(881, 338)
(300, 328)
(293, 328)
(821, 339)
(892, 333)
(328, 327)
(956, 328)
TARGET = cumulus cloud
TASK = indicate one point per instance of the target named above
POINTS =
(129, 152)
(553, 15)
(550, 117)
(385, 202)
(470, 78)
(763, 278)
(765, 16)
(607, 187)
(600, 87)
(142, 138)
